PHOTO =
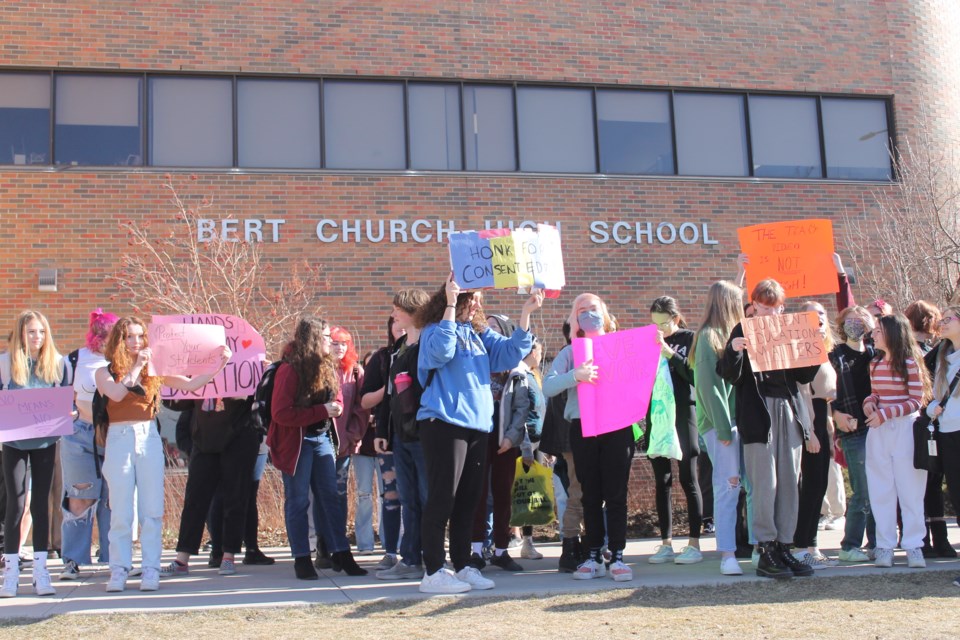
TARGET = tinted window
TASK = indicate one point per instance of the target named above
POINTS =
(711, 136)
(489, 128)
(363, 125)
(856, 138)
(278, 123)
(24, 119)
(98, 120)
(191, 122)
(434, 116)
(556, 130)
(785, 137)
(635, 132)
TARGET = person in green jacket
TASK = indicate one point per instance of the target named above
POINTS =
(715, 415)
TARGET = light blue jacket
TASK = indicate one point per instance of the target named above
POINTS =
(459, 392)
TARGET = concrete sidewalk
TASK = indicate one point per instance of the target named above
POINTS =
(276, 586)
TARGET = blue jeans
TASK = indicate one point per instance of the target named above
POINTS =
(859, 517)
(389, 502)
(364, 471)
(80, 481)
(315, 474)
(726, 494)
(343, 479)
(412, 485)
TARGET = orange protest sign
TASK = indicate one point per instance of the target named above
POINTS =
(797, 254)
(785, 341)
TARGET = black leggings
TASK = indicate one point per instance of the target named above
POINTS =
(15, 478)
(814, 477)
(663, 475)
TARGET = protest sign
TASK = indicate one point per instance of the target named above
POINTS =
(184, 349)
(626, 369)
(785, 341)
(508, 259)
(797, 254)
(242, 373)
(35, 413)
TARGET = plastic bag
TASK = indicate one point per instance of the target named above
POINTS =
(662, 440)
(532, 495)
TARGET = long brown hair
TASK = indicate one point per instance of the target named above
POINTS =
(901, 346)
(724, 312)
(434, 309)
(941, 384)
(47, 366)
(121, 360)
(316, 371)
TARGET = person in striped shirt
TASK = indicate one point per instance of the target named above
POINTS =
(900, 387)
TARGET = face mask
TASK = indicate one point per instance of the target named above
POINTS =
(854, 328)
(590, 321)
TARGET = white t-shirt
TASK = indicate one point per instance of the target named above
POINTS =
(87, 364)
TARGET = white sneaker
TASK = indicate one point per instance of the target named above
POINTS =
(150, 580)
(589, 570)
(528, 551)
(473, 578)
(620, 572)
(688, 555)
(915, 559)
(11, 580)
(443, 581)
(835, 524)
(853, 555)
(41, 582)
(822, 561)
(730, 567)
(71, 570)
(662, 555)
(401, 571)
(883, 557)
(118, 580)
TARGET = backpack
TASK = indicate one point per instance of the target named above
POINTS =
(260, 415)
(405, 404)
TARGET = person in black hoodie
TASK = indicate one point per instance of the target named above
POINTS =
(773, 423)
(675, 341)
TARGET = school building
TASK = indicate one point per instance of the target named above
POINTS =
(358, 135)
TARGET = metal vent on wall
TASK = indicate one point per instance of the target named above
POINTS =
(48, 280)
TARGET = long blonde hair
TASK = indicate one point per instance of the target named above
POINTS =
(940, 382)
(724, 312)
(47, 366)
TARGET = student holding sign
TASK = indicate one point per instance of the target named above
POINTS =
(602, 461)
(31, 363)
(133, 463)
(773, 424)
(458, 352)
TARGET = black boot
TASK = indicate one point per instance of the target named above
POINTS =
(304, 569)
(569, 558)
(323, 558)
(927, 549)
(256, 556)
(799, 569)
(343, 561)
(941, 544)
(770, 564)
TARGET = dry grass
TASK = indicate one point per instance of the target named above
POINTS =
(921, 605)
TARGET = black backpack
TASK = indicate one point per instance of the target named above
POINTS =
(260, 416)
(405, 404)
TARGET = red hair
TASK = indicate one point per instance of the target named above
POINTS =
(339, 334)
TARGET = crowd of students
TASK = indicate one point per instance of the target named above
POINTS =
(435, 421)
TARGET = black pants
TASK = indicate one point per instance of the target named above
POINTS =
(230, 472)
(454, 457)
(689, 482)
(251, 522)
(42, 462)
(948, 446)
(603, 468)
(814, 477)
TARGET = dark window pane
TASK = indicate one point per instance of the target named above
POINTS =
(24, 119)
(856, 138)
(634, 129)
(711, 135)
(489, 128)
(785, 137)
(191, 122)
(556, 130)
(278, 123)
(98, 120)
(434, 126)
(363, 125)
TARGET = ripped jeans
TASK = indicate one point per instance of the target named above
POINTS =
(80, 481)
(726, 494)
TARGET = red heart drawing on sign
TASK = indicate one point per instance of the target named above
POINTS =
(246, 343)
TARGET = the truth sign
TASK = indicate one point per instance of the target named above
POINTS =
(797, 254)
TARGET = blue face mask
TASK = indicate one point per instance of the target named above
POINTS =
(590, 321)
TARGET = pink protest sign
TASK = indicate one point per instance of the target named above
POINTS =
(35, 413)
(627, 368)
(245, 368)
(184, 349)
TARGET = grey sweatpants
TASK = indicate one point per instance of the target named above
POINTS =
(774, 471)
